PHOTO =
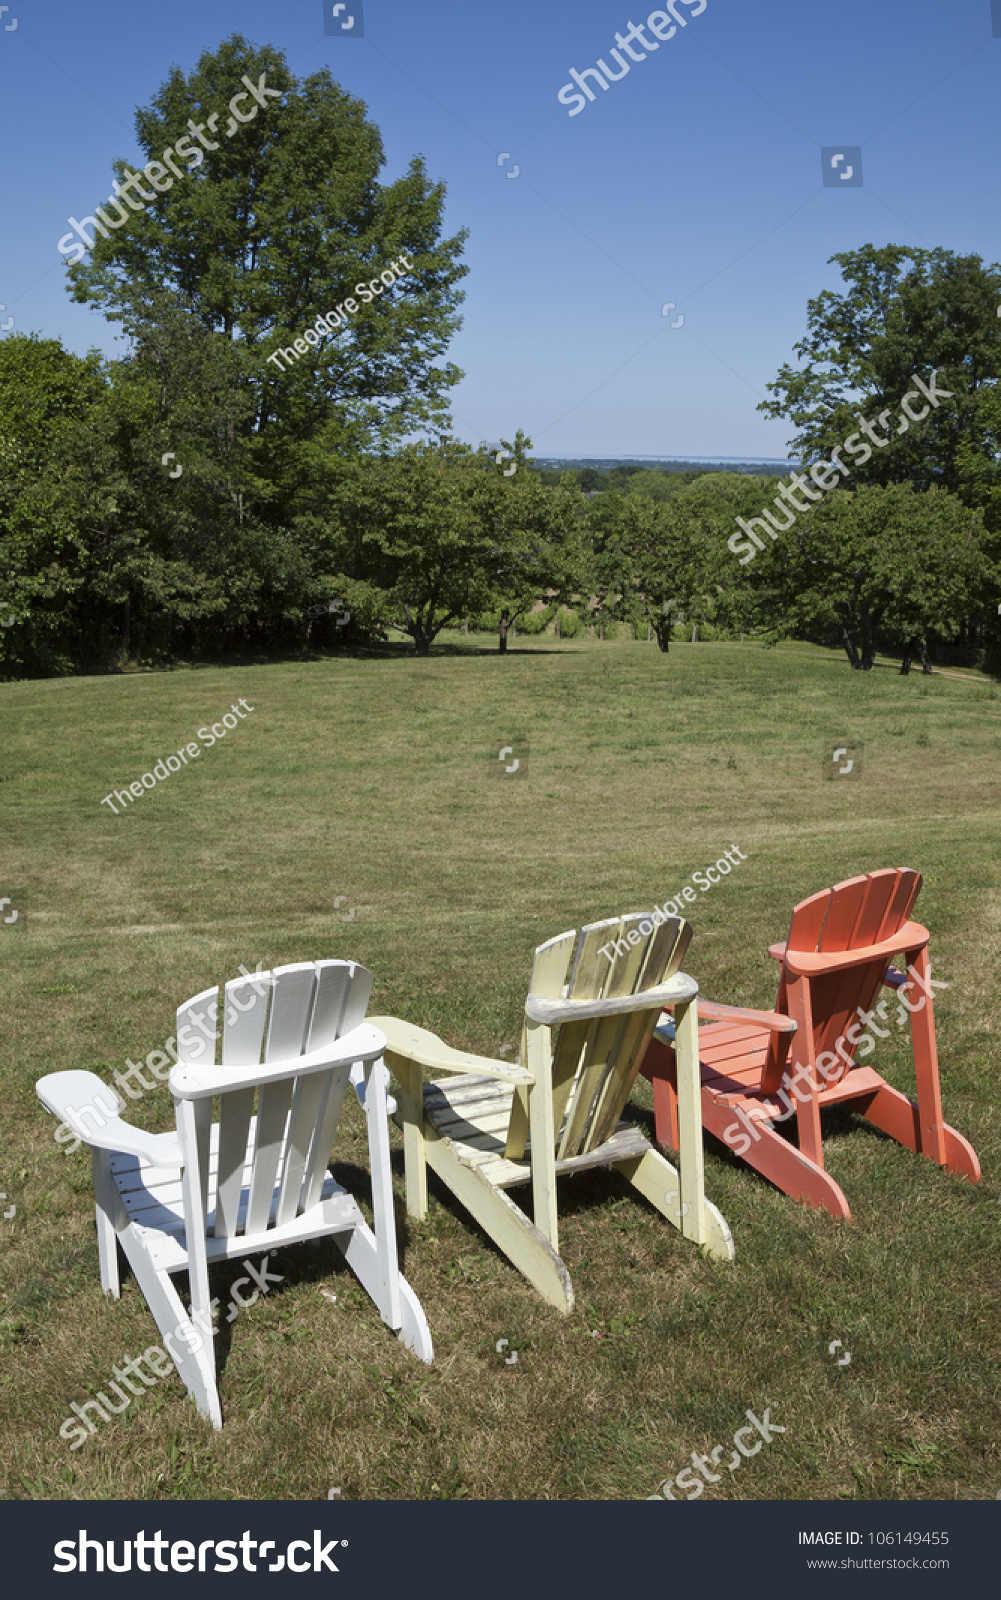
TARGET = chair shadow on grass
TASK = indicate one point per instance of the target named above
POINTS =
(838, 1120)
(314, 1261)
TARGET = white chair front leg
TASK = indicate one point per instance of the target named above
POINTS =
(376, 1079)
(108, 1205)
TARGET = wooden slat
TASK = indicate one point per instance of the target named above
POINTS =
(837, 997)
(842, 915)
(168, 1253)
(328, 1116)
(245, 1012)
(625, 1142)
(196, 1020)
(289, 1024)
(357, 998)
(485, 1096)
(272, 1120)
(664, 955)
(308, 1095)
(900, 907)
(549, 971)
(456, 1126)
(356, 987)
(244, 1017)
(615, 1044)
(291, 1003)
(880, 893)
(333, 985)
(618, 978)
(808, 921)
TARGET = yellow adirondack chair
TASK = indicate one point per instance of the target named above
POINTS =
(497, 1124)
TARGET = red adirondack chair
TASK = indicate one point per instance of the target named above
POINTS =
(834, 963)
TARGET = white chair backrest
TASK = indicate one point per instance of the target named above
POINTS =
(302, 1008)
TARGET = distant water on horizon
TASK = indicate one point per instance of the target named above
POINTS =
(765, 461)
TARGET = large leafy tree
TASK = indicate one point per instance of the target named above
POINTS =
(273, 215)
(435, 531)
(656, 562)
(880, 563)
(904, 312)
(273, 227)
(542, 554)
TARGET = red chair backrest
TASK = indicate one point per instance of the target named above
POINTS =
(859, 912)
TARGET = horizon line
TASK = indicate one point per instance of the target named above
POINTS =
(771, 461)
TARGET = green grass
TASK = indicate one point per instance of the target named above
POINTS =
(370, 779)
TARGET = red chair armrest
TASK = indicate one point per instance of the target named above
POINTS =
(774, 1021)
(810, 963)
(712, 1011)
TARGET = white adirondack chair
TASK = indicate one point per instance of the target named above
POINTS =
(245, 1184)
(498, 1124)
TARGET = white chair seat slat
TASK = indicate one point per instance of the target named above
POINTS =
(335, 1212)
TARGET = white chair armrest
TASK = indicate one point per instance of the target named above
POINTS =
(551, 1012)
(427, 1050)
(68, 1094)
(357, 1080)
(194, 1082)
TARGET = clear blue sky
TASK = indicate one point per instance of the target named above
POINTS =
(695, 178)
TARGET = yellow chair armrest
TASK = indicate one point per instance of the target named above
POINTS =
(419, 1045)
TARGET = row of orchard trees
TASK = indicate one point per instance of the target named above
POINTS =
(298, 488)
(106, 558)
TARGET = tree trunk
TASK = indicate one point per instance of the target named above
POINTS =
(850, 650)
(502, 640)
(909, 649)
(694, 632)
(868, 641)
(649, 632)
(925, 663)
(557, 624)
(663, 632)
(465, 627)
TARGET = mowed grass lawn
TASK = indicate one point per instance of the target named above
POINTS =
(372, 779)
